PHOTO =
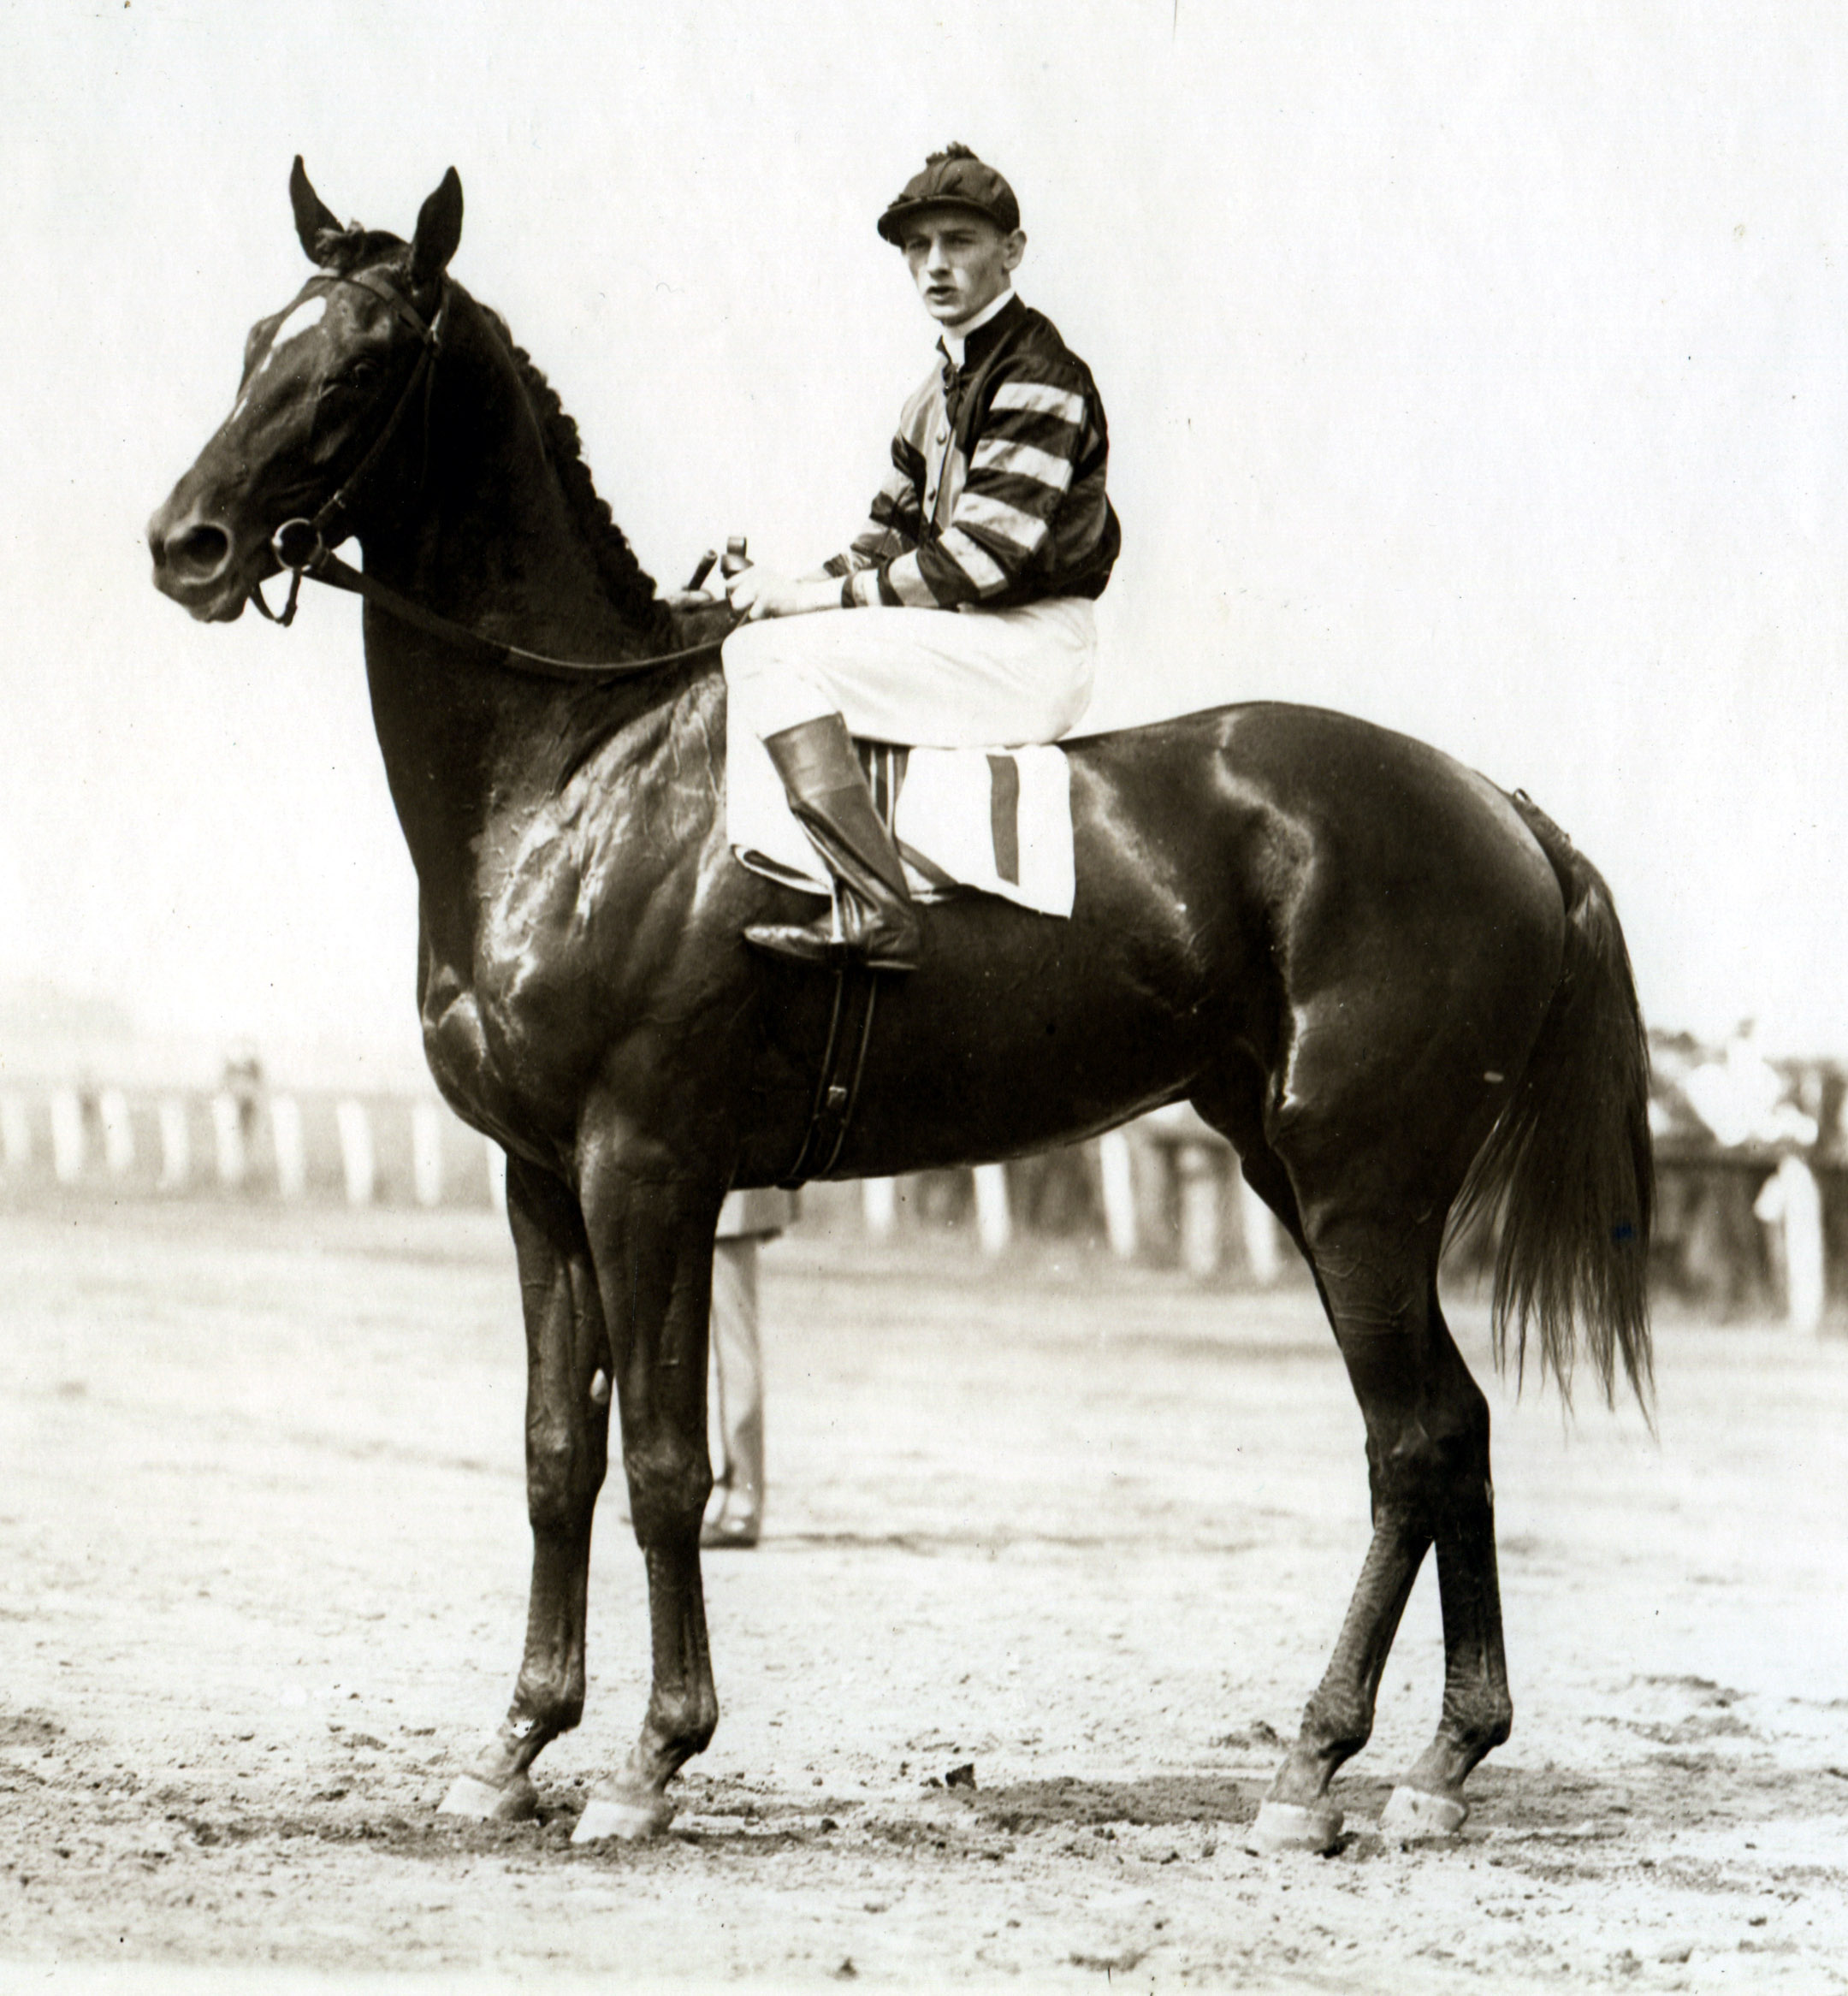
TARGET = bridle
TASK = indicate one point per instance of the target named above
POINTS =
(301, 545)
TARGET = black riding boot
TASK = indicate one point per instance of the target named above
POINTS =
(827, 791)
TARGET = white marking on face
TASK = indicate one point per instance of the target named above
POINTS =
(308, 314)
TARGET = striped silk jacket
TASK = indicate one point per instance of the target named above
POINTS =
(996, 494)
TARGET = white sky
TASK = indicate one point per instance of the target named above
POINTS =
(1478, 370)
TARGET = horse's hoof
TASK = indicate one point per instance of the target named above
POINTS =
(481, 1801)
(1412, 1816)
(1287, 1826)
(624, 1816)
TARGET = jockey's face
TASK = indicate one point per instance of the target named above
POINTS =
(959, 261)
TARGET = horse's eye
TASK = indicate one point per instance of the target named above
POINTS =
(353, 379)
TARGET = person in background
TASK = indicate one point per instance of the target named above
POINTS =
(734, 1517)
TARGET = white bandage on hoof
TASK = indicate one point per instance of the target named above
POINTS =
(471, 1796)
(1287, 1826)
(607, 1815)
(1413, 1816)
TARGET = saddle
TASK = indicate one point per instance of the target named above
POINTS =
(985, 820)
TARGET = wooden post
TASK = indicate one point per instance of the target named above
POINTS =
(118, 1132)
(15, 1133)
(291, 1152)
(1201, 1201)
(358, 1162)
(176, 1146)
(1263, 1252)
(878, 1207)
(1116, 1171)
(227, 1134)
(994, 1225)
(67, 1135)
(426, 1152)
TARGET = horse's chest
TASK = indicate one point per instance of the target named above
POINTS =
(508, 1025)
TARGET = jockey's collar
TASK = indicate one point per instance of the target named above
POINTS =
(953, 339)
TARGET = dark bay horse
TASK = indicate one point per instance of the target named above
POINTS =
(1400, 992)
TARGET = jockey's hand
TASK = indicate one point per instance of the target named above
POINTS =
(762, 592)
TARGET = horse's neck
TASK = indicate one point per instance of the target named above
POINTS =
(490, 539)
(493, 544)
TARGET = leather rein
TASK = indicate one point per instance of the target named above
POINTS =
(301, 545)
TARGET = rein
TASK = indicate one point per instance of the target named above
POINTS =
(301, 545)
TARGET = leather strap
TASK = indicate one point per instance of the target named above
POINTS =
(323, 566)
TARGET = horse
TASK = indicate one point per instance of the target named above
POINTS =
(1399, 992)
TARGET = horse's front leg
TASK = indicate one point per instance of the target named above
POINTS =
(654, 1242)
(567, 1451)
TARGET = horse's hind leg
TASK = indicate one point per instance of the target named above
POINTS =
(567, 1435)
(1477, 1712)
(1427, 1444)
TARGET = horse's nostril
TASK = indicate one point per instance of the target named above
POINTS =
(198, 553)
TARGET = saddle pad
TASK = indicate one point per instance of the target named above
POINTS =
(996, 820)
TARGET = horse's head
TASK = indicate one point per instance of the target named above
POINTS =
(327, 382)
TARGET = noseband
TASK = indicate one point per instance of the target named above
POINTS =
(301, 545)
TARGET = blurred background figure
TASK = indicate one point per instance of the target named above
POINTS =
(735, 1514)
(243, 1084)
(1747, 1103)
(1743, 1099)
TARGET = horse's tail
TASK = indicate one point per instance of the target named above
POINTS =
(1569, 1169)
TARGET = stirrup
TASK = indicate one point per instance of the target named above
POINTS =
(880, 942)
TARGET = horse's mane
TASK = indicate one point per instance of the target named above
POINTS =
(630, 587)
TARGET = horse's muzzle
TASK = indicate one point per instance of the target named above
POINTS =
(195, 563)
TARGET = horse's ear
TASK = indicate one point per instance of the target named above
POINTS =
(439, 230)
(314, 219)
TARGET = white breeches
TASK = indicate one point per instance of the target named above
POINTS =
(930, 678)
(736, 1421)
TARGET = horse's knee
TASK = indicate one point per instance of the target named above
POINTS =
(564, 1473)
(669, 1482)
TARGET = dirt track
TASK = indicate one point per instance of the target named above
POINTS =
(263, 1570)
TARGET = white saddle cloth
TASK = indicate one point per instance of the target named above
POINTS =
(997, 820)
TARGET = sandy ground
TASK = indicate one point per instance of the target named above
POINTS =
(263, 1563)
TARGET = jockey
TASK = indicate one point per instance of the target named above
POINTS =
(994, 508)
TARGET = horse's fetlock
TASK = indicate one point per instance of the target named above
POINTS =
(1477, 1720)
(684, 1722)
(1336, 1725)
(544, 1708)
(1492, 1722)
